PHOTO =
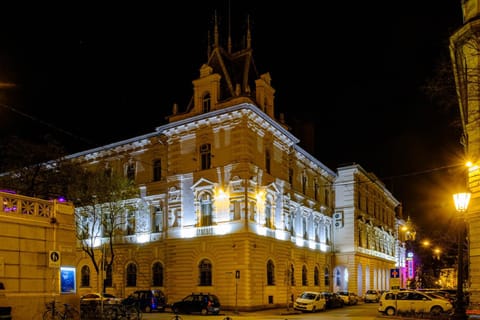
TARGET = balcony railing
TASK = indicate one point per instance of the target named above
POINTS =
(14, 204)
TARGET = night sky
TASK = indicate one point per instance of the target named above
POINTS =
(97, 74)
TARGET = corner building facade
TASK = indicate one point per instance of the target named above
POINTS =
(230, 203)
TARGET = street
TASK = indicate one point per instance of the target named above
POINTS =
(362, 311)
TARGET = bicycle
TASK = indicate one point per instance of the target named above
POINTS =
(176, 317)
(53, 313)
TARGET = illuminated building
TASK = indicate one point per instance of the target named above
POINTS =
(365, 231)
(37, 254)
(231, 204)
(464, 49)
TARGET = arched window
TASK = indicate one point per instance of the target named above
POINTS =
(85, 276)
(108, 276)
(206, 210)
(338, 278)
(304, 276)
(292, 275)
(157, 274)
(131, 275)
(316, 277)
(326, 277)
(270, 273)
(205, 272)
(206, 103)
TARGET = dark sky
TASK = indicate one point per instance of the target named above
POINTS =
(96, 74)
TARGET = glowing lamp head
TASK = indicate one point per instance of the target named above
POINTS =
(461, 201)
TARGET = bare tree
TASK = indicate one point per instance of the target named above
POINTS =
(103, 201)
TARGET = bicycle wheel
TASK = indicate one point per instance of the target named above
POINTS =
(71, 314)
(49, 315)
(134, 314)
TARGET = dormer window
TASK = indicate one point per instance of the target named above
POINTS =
(206, 103)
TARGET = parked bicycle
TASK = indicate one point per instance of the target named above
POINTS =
(52, 312)
(122, 311)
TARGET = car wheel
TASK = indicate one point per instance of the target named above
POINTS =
(204, 311)
(324, 308)
(314, 309)
(436, 311)
(148, 309)
(390, 311)
(175, 310)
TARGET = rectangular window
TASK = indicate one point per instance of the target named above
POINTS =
(157, 170)
(131, 171)
(205, 156)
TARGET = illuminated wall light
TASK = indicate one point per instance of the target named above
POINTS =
(143, 238)
(260, 196)
(222, 205)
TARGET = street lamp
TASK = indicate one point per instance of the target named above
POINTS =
(461, 204)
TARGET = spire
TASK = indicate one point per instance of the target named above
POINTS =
(215, 35)
(229, 44)
(209, 49)
(249, 36)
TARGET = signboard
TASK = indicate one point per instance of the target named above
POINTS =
(394, 279)
(67, 280)
(54, 259)
(394, 273)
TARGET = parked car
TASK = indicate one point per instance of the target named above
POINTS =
(204, 303)
(148, 300)
(96, 297)
(310, 301)
(394, 302)
(372, 296)
(349, 298)
(333, 300)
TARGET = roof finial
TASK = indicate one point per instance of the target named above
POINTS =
(209, 49)
(216, 31)
(249, 36)
(229, 44)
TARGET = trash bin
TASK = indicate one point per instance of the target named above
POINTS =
(5, 313)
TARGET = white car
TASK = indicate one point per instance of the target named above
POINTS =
(372, 296)
(310, 301)
(395, 302)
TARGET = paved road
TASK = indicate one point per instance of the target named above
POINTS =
(362, 311)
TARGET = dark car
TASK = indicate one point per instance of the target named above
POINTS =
(204, 303)
(333, 300)
(147, 300)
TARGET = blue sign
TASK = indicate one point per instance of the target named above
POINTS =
(394, 273)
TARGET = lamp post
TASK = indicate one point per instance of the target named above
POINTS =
(461, 204)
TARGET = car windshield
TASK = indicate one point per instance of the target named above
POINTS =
(308, 295)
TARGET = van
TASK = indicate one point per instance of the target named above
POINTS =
(310, 301)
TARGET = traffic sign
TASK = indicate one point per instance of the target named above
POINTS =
(394, 273)
(54, 259)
